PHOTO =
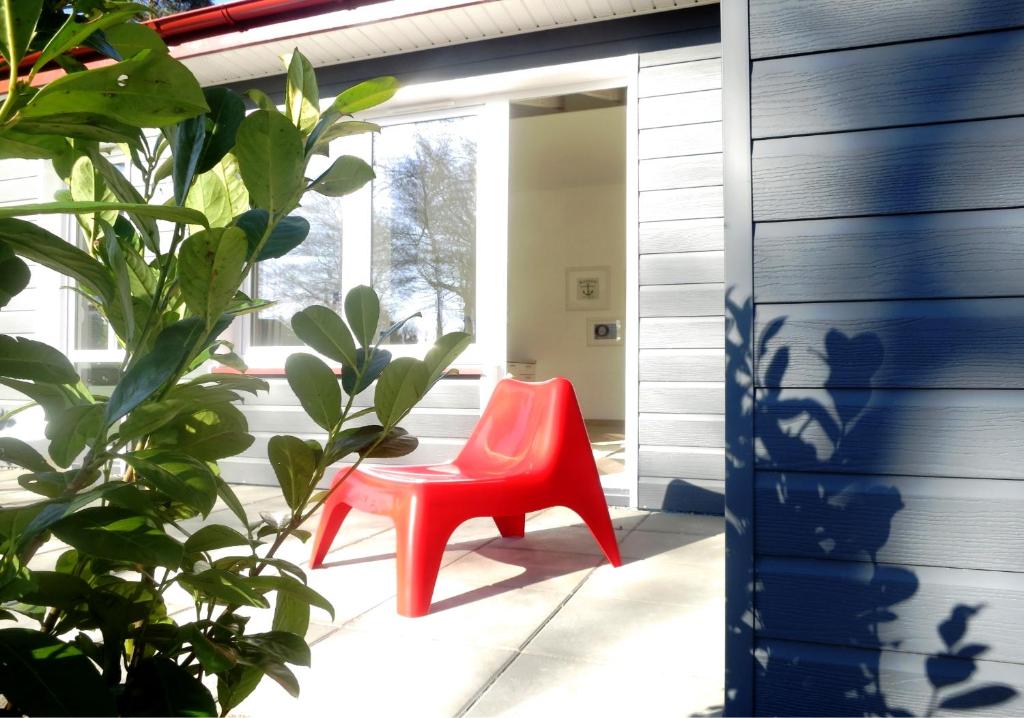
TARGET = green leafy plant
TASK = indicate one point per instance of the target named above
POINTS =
(92, 633)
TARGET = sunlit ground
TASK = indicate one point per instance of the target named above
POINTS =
(534, 626)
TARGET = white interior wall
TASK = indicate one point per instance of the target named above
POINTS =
(567, 204)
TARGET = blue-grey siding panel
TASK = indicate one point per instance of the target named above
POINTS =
(906, 84)
(800, 599)
(804, 679)
(888, 326)
(964, 343)
(791, 27)
(947, 432)
(957, 166)
(916, 256)
(826, 516)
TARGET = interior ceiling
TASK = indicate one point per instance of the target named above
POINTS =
(574, 102)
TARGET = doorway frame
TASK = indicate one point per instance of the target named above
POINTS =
(500, 89)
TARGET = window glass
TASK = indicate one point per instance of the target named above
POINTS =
(424, 227)
(309, 274)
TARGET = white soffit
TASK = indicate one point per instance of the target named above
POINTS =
(392, 28)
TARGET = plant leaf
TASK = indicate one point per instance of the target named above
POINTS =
(17, 452)
(45, 676)
(283, 646)
(210, 267)
(294, 588)
(362, 309)
(177, 476)
(160, 687)
(227, 110)
(287, 234)
(75, 31)
(70, 430)
(182, 215)
(188, 145)
(321, 329)
(444, 352)
(170, 350)
(369, 364)
(220, 193)
(225, 587)
(149, 90)
(318, 142)
(270, 159)
(397, 443)
(291, 614)
(49, 250)
(14, 275)
(17, 26)
(302, 98)
(352, 441)
(345, 176)
(228, 496)
(213, 537)
(213, 657)
(365, 95)
(401, 385)
(22, 358)
(316, 387)
(236, 685)
(120, 535)
(56, 589)
(294, 463)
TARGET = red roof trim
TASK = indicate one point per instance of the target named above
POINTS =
(201, 23)
(243, 14)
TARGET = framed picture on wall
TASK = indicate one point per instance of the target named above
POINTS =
(586, 288)
(604, 332)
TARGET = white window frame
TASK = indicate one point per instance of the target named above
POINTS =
(357, 215)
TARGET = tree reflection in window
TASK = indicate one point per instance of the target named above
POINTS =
(309, 274)
(424, 227)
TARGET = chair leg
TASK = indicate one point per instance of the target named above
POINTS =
(333, 516)
(511, 526)
(419, 549)
(594, 512)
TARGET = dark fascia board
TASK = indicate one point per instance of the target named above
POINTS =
(739, 389)
(591, 41)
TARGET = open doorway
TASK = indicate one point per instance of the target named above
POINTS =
(567, 256)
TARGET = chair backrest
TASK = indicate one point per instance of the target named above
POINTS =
(527, 427)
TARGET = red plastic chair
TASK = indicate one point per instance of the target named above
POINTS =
(529, 451)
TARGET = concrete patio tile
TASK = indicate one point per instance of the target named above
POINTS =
(499, 620)
(559, 516)
(372, 674)
(690, 549)
(668, 522)
(631, 633)
(361, 576)
(564, 539)
(545, 686)
(658, 581)
(491, 569)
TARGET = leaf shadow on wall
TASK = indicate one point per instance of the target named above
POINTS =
(826, 622)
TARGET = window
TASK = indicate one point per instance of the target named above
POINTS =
(424, 227)
(309, 274)
(411, 235)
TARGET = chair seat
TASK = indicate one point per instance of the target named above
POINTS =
(552, 466)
